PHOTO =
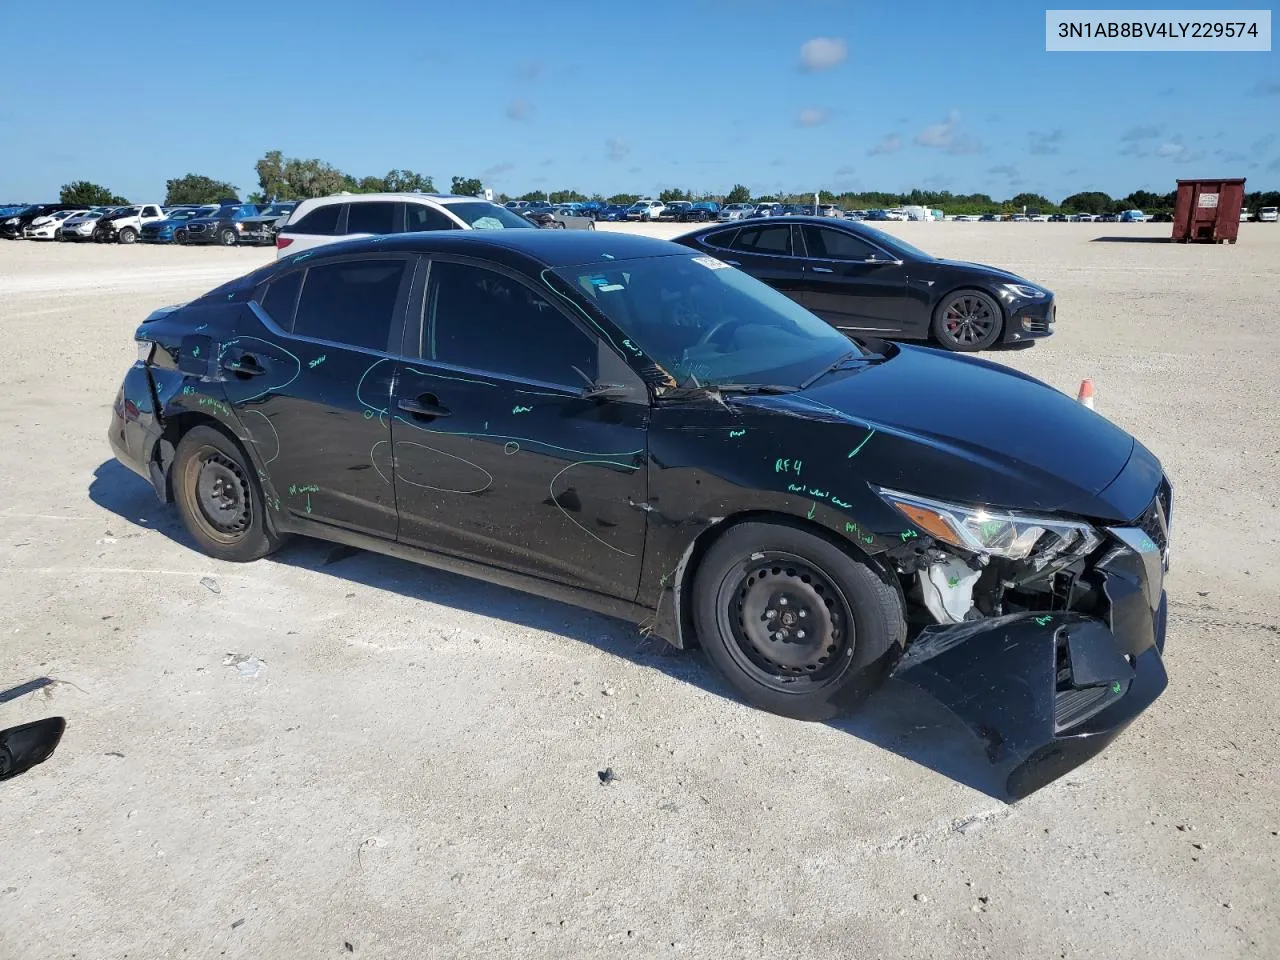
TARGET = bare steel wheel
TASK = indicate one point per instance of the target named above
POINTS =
(219, 497)
(794, 621)
(967, 320)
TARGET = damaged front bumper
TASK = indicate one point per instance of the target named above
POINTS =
(1047, 691)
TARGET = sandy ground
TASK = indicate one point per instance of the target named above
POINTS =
(412, 771)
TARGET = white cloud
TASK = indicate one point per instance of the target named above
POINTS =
(891, 143)
(1046, 143)
(822, 53)
(811, 117)
(939, 134)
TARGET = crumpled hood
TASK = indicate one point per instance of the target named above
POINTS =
(965, 429)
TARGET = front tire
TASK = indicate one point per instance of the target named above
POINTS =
(966, 321)
(227, 238)
(219, 498)
(128, 235)
(793, 622)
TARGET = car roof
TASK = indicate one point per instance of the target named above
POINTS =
(547, 248)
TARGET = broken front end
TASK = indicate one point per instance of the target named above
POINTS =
(1045, 636)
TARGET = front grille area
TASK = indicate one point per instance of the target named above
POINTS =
(1073, 707)
(1154, 521)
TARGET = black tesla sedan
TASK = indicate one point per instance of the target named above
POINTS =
(621, 423)
(862, 280)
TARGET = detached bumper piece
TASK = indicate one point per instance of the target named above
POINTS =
(1044, 692)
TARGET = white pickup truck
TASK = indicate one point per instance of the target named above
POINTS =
(125, 223)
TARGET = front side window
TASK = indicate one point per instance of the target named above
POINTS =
(705, 322)
(827, 244)
(485, 320)
(767, 240)
(375, 217)
(349, 301)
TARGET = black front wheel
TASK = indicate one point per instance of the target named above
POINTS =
(967, 320)
(797, 625)
(219, 498)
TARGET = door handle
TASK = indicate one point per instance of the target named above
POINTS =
(245, 367)
(821, 269)
(426, 406)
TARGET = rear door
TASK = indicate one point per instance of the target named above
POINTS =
(373, 218)
(312, 389)
(852, 284)
(769, 252)
(499, 458)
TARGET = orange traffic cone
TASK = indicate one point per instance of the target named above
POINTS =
(1086, 393)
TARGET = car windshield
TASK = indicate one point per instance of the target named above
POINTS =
(124, 212)
(706, 323)
(482, 215)
(893, 244)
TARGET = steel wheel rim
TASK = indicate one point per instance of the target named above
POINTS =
(790, 626)
(219, 491)
(968, 319)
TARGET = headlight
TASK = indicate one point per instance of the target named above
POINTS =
(1014, 536)
(11, 221)
(239, 226)
(1024, 290)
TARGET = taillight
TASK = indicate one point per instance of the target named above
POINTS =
(282, 242)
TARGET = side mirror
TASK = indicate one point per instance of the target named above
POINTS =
(605, 391)
(21, 748)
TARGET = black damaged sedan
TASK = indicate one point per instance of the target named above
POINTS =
(620, 423)
(863, 280)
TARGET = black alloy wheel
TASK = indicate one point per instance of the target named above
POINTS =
(966, 321)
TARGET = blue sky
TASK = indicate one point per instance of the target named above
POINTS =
(618, 96)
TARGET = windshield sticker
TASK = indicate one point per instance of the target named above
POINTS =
(711, 263)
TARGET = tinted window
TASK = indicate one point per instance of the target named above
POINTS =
(776, 240)
(421, 217)
(280, 298)
(322, 221)
(376, 218)
(350, 301)
(487, 321)
(721, 238)
(483, 215)
(829, 244)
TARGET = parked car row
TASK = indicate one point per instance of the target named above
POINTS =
(227, 223)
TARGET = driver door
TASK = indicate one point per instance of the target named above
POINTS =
(499, 457)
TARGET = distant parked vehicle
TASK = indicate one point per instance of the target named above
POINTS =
(1133, 216)
(262, 229)
(124, 224)
(1039, 218)
(735, 211)
(1268, 215)
(675, 210)
(766, 209)
(645, 210)
(343, 216)
(613, 213)
(13, 226)
(1082, 218)
(829, 210)
(167, 230)
(80, 227)
(561, 217)
(1019, 218)
(1058, 218)
(47, 227)
(224, 226)
(966, 218)
(1106, 218)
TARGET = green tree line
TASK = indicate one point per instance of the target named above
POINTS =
(296, 178)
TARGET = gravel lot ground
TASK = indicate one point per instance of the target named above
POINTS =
(412, 770)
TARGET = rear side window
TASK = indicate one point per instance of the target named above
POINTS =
(418, 216)
(350, 301)
(774, 240)
(487, 321)
(372, 217)
(322, 221)
(723, 239)
(281, 297)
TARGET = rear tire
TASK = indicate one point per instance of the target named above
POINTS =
(219, 497)
(793, 622)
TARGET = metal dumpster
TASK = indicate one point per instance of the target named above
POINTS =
(1208, 211)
